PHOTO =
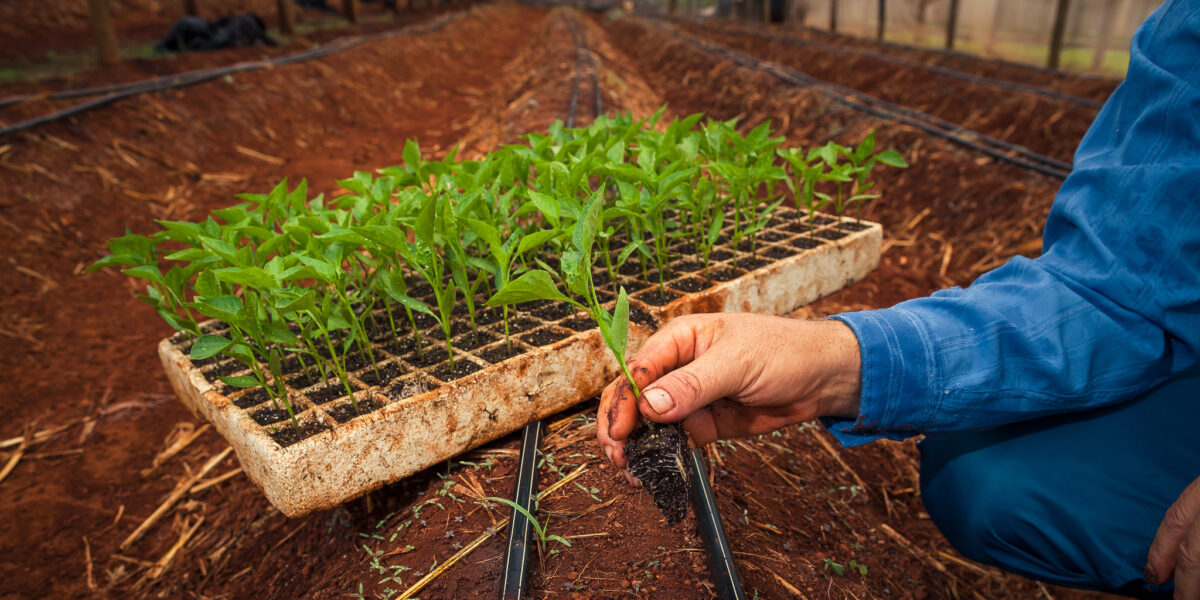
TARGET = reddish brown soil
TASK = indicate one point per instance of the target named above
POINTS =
(35, 33)
(1045, 125)
(1081, 85)
(81, 347)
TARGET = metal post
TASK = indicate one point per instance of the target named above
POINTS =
(1056, 35)
(104, 32)
(833, 15)
(287, 16)
(882, 19)
(952, 24)
(1105, 34)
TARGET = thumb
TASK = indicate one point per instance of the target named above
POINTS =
(689, 388)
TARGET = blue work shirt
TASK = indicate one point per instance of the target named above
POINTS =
(1111, 308)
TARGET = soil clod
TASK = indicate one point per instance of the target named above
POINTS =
(658, 459)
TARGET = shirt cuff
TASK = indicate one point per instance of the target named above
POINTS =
(900, 390)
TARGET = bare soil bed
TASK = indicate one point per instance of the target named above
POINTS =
(74, 496)
(1044, 125)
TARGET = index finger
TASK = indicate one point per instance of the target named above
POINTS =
(667, 349)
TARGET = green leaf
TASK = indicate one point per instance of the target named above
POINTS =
(589, 222)
(305, 301)
(390, 238)
(891, 158)
(207, 284)
(148, 272)
(225, 308)
(412, 156)
(253, 277)
(535, 240)
(619, 327)
(409, 301)
(547, 205)
(488, 234)
(241, 381)
(208, 346)
(533, 285)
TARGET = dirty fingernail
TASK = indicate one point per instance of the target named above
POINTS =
(1151, 575)
(608, 453)
(659, 400)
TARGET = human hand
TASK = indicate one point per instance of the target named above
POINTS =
(1176, 546)
(729, 375)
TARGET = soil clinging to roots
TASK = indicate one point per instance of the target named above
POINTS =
(658, 459)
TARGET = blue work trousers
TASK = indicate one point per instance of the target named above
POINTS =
(1071, 499)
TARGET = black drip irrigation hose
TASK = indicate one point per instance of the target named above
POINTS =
(996, 148)
(516, 555)
(724, 571)
(115, 92)
(896, 60)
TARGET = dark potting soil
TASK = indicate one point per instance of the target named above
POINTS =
(251, 398)
(543, 337)
(724, 274)
(719, 255)
(554, 311)
(423, 320)
(854, 226)
(823, 220)
(641, 317)
(420, 290)
(224, 369)
(631, 268)
(305, 379)
(831, 234)
(797, 226)
(772, 236)
(657, 297)
(600, 278)
(345, 411)
(690, 285)
(518, 325)
(473, 340)
(407, 388)
(804, 242)
(460, 327)
(488, 315)
(462, 368)
(356, 361)
(290, 365)
(723, 238)
(325, 393)
(429, 356)
(499, 352)
(780, 252)
(287, 434)
(687, 266)
(658, 459)
(215, 327)
(580, 323)
(401, 345)
(751, 263)
(633, 285)
(387, 372)
(269, 415)
(605, 296)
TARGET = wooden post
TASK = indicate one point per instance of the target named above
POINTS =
(882, 19)
(287, 16)
(1056, 35)
(189, 7)
(766, 12)
(103, 31)
(952, 24)
(350, 10)
(1105, 34)
(671, 5)
(833, 15)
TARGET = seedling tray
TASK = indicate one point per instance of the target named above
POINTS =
(421, 413)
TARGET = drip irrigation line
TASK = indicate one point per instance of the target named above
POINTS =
(978, 79)
(516, 555)
(708, 519)
(115, 92)
(996, 148)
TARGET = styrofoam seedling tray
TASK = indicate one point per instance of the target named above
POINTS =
(789, 269)
(416, 420)
(422, 415)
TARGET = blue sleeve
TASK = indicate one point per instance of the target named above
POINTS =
(1111, 308)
